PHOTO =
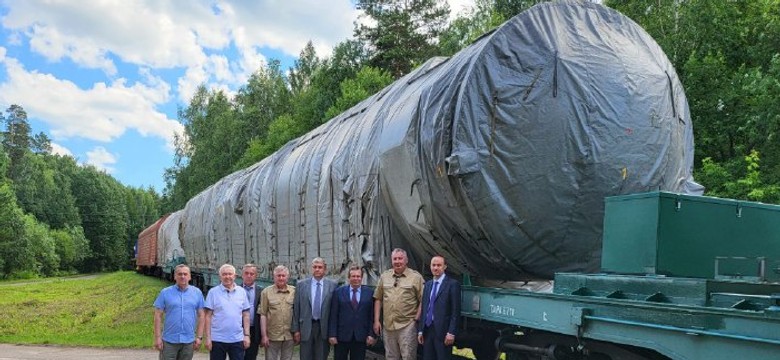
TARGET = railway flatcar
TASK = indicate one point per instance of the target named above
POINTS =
(500, 158)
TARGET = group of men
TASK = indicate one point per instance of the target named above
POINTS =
(236, 320)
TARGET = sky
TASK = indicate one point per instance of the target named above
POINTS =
(104, 79)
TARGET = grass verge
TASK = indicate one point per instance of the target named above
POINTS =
(111, 310)
(103, 310)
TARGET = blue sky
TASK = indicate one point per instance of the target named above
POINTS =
(104, 79)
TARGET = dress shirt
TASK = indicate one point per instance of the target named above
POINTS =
(357, 295)
(250, 295)
(314, 289)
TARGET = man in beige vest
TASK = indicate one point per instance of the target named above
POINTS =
(397, 297)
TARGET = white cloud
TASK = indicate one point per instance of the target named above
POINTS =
(458, 6)
(2, 54)
(138, 32)
(54, 45)
(289, 27)
(102, 159)
(179, 34)
(103, 112)
(58, 149)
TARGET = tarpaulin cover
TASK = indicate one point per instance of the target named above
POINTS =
(168, 242)
(498, 158)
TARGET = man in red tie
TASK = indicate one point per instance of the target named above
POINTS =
(440, 312)
(351, 314)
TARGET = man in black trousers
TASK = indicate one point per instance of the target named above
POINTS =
(351, 318)
(248, 277)
(440, 313)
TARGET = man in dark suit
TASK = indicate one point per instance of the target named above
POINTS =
(440, 312)
(311, 309)
(351, 318)
(248, 277)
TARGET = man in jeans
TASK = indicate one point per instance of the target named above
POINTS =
(227, 317)
(182, 307)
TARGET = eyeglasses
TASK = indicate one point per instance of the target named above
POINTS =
(397, 279)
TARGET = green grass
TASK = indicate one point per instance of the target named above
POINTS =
(103, 310)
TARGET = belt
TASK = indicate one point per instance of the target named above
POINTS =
(314, 321)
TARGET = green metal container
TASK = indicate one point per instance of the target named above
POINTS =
(691, 236)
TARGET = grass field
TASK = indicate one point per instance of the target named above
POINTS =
(103, 310)
(111, 310)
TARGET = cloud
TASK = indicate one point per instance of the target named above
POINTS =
(2, 54)
(102, 113)
(138, 32)
(179, 34)
(102, 159)
(54, 45)
(291, 26)
(58, 149)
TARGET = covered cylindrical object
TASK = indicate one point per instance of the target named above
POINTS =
(498, 158)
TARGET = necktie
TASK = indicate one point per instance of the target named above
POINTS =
(429, 312)
(315, 314)
(354, 299)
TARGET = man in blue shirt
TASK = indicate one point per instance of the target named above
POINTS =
(227, 317)
(182, 306)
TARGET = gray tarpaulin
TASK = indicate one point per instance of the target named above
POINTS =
(168, 241)
(498, 158)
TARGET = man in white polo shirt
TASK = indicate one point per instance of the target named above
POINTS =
(227, 318)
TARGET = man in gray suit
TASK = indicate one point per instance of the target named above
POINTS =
(311, 308)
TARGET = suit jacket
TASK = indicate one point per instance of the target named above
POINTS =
(301, 319)
(256, 326)
(348, 324)
(446, 307)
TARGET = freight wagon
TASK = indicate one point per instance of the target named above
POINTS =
(500, 158)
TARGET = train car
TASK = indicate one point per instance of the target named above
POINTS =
(683, 277)
(500, 158)
(146, 249)
(158, 248)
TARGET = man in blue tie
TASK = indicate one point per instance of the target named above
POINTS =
(351, 318)
(440, 312)
(311, 309)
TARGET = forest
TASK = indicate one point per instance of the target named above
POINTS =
(59, 217)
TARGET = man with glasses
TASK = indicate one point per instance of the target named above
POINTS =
(397, 297)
